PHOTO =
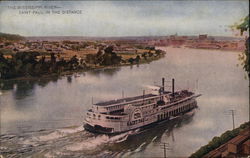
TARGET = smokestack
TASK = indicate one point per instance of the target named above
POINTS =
(163, 81)
(173, 86)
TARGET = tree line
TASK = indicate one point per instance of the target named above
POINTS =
(33, 63)
(10, 37)
(27, 64)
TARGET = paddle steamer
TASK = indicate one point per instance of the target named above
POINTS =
(121, 115)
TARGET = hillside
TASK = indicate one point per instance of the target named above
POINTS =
(10, 37)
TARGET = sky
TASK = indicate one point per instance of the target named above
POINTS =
(122, 18)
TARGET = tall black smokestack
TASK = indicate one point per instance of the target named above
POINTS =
(163, 81)
(173, 86)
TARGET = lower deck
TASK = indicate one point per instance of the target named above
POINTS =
(137, 118)
(110, 131)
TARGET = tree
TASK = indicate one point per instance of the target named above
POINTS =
(150, 54)
(52, 58)
(244, 27)
(73, 62)
(109, 49)
(144, 55)
(137, 59)
(131, 60)
(108, 57)
(158, 52)
(90, 58)
(4, 67)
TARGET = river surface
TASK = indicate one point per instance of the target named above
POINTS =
(44, 117)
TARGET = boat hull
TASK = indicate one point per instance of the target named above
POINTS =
(108, 131)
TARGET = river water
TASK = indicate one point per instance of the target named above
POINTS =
(44, 117)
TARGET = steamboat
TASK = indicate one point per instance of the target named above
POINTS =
(121, 115)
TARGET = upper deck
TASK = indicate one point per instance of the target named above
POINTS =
(128, 99)
(178, 95)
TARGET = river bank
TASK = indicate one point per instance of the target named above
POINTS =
(92, 67)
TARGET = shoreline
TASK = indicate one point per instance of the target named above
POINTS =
(71, 72)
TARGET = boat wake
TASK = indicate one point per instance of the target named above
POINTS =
(59, 142)
(77, 142)
(100, 140)
(59, 133)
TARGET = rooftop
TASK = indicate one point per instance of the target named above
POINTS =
(128, 99)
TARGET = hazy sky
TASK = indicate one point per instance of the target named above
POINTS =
(124, 18)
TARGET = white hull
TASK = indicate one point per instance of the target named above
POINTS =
(139, 116)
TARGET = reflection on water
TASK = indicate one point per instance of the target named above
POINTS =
(106, 71)
(51, 105)
(69, 79)
(24, 85)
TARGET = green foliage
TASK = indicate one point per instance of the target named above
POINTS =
(90, 58)
(144, 55)
(158, 52)
(244, 25)
(150, 54)
(106, 58)
(218, 141)
(131, 60)
(109, 49)
(26, 64)
(137, 59)
(244, 57)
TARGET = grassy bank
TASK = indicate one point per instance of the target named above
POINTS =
(218, 141)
